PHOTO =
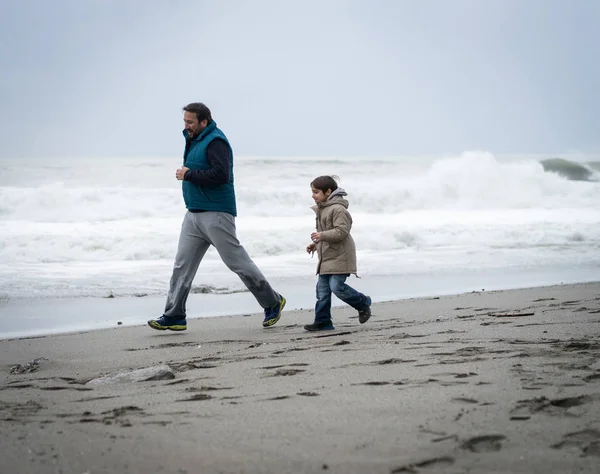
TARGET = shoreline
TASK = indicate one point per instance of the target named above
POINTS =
(31, 317)
(494, 381)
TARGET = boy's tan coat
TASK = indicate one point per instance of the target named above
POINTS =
(337, 252)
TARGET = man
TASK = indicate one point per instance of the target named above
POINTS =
(209, 195)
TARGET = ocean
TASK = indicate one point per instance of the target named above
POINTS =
(72, 229)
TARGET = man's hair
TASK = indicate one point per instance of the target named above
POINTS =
(323, 183)
(202, 111)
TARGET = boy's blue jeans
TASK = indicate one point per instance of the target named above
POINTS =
(335, 284)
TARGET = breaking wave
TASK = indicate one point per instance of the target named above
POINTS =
(570, 169)
(69, 229)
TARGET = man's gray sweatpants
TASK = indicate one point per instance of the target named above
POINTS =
(199, 231)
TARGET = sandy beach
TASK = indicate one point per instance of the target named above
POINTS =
(498, 382)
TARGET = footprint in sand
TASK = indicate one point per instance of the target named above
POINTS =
(193, 364)
(196, 397)
(551, 406)
(20, 385)
(18, 411)
(168, 345)
(116, 416)
(587, 440)
(293, 349)
(593, 449)
(578, 345)
(93, 399)
(177, 382)
(484, 444)
(469, 401)
(343, 342)
(205, 388)
(392, 361)
(592, 377)
(440, 462)
(456, 375)
(159, 423)
(57, 388)
(285, 372)
(404, 335)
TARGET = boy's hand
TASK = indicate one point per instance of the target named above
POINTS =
(310, 249)
(315, 237)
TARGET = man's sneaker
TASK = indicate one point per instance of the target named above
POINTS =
(365, 313)
(320, 326)
(165, 322)
(272, 315)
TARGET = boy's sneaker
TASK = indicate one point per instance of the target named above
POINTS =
(165, 322)
(320, 326)
(365, 313)
(272, 315)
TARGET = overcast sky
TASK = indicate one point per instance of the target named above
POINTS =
(317, 77)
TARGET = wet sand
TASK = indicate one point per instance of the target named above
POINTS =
(501, 382)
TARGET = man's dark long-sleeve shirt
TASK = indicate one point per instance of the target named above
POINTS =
(218, 156)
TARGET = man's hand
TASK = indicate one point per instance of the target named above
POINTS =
(315, 237)
(310, 249)
(180, 173)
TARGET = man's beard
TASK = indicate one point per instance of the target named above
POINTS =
(195, 134)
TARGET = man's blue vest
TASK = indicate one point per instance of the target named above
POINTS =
(218, 197)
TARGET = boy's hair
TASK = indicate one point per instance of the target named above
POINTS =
(323, 183)
(202, 111)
